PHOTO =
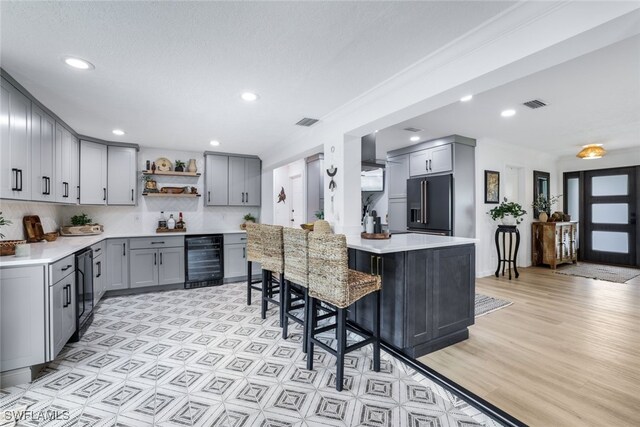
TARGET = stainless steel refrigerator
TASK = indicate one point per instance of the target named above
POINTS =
(429, 205)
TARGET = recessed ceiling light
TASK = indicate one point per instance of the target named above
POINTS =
(508, 113)
(415, 138)
(466, 98)
(249, 96)
(77, 63)
(118, 132)
(214, 143)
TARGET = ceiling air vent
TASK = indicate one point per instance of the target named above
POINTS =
(535, 103)
(410, 129)
(307, 122)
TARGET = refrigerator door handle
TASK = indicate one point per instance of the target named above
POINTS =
(426, 198)
(421, 202)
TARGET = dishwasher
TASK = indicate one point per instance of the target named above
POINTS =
(84, 292)
(203, 260)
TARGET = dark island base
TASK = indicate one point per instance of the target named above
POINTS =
(427, 298)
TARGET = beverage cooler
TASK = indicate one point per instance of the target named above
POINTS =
(204, 262)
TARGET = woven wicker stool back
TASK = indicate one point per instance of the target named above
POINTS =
(296, 255)
(322, 226)
(272, 248)
(254, 242)
(329, 268)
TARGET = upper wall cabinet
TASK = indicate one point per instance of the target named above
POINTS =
(431, 160)
(244, 181)
(93, 173)
(397, 175)
(66, 188)
(121, 175)
(217, 180)
(15, 144)
(43, 160)
(233, 180)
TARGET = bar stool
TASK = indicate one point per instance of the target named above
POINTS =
(254, 254)
(333, 283)
(296, 279)
(322, 226)
(272, 262)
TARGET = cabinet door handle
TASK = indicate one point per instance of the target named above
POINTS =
(426, 165)
(247, 197)
(372, 257)
(20, 172)
(242, 197)
(104, 194)
(64, 297)
(378, 265)
(429, 165)
(77, 192)
(15, 177)
(124, 246)
(44, 181)
(48, 185)
(132, 194)
(66, 268)
(155, 259)
(69, 293)
(157, 243)
(160, 258)
(208, 196)
(244, 252)
(97, 250)
(99, 264)
(65, 189)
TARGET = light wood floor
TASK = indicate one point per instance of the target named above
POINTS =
(566, 353)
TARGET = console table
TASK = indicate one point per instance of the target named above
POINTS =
(554, 243)
(507, 258)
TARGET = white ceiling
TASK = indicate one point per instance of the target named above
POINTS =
(594, 98)
(170, 73)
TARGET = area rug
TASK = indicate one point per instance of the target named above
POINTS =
(600, 272)
(486, 304)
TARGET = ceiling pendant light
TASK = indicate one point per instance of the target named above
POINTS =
(591, 151)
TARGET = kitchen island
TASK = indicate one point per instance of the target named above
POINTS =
(428, 289)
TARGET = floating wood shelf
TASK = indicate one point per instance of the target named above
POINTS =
(171, 195)
(171, 173)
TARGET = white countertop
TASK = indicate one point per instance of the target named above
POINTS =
(48, 252)
(405, 242)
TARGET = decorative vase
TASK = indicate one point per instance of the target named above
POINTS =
(543, 217)
(508, 220)
(192, 166)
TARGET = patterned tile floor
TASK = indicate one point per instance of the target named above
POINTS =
(202, 357)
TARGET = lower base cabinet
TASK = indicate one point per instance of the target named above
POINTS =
(99, 281)
(22, 317)
(153, 267)
(62, 312)
(235, 257)
(117, 263)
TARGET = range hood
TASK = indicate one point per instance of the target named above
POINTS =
(368, 153)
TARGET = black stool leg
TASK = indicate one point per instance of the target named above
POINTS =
(312, 327)
(305, 323)
(284, 300)
(376, 333)
(342, 344)
(281, 295)
(265, 283)
(248, 282)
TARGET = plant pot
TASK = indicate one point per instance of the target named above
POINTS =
(192, 166)
(243, 226)
(179, 169)
(508, 220)
(543, 217)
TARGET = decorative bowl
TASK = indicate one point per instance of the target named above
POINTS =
(51, 237)
(308, 226)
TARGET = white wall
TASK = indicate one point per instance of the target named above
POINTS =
(144, 216)
(14, 210)
(497, 156)
(281, 179)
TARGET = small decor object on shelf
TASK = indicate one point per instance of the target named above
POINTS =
(510, 213)
(247, 218)
(179, 166)
(192, 166)
(82, 225)
(180, 224)
(320, 214)
(544, 205)
(174, 190)
(148, 165)
(81, 219)
(282, 196)
(162, 222)
(163, 164)
(153, 167)
(171, 223)
(150, 185)
(491, 186)
(33, 230)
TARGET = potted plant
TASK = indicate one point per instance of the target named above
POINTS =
(544, 205)
(320, 214)
(510, 213)
(247, 218)
(179, 166)
(81, 224)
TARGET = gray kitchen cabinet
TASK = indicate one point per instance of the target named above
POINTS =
(235, 257)
(121, 175)
(98, 277)
(438, 159)
(22, 317)
(43, 129)
(15, 143)
(397, 215)
(93, 173)
(62, 314)
(117, 272)
(217, 180)
(170, 265)
(397, 176)
(245, 175)
(66, 170)
(144, 268)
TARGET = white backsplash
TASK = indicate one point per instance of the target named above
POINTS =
(14, 210)
(141, 218)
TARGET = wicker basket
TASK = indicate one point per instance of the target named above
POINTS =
(8, 247)
(51, 237)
